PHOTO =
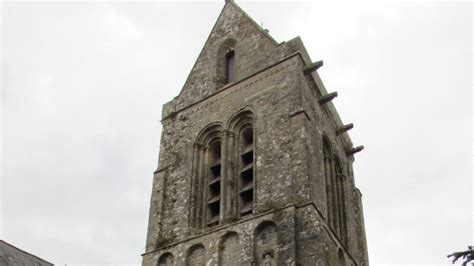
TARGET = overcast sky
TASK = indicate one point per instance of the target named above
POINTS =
(82, 90)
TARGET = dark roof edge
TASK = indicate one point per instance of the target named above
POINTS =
(17, 248)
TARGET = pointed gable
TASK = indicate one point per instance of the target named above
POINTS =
(253, 49)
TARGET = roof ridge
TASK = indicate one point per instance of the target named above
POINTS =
(262, 30)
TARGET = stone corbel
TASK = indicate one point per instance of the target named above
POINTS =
(344, 128)
(352, 151)
(327, 98)
(308, 69)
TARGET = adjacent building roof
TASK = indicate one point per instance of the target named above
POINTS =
(11, 255)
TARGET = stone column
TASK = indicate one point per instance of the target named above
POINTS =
(195, 188)
(228, 179)
(329, 191)
(201, 202)
(224, 178)
(340, 179)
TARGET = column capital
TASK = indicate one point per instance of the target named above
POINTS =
(198, 145)
(228, 133)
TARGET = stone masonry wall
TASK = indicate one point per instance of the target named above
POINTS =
(214, 242)
(274, 139)
(289, 223)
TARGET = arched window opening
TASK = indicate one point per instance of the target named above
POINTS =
(196, 256)
(330, 184)
(243, 153)
(206, 181)
(214, 184)
(223, 175)
(246, 181)
(166, 259)
(247, 137)
(229, 248)
(230, 66)
(336, 211)
(266, 244)
(226, 65)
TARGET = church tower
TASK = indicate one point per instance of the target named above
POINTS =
(255, 165)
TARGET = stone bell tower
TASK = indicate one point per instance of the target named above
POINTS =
(255, 165)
